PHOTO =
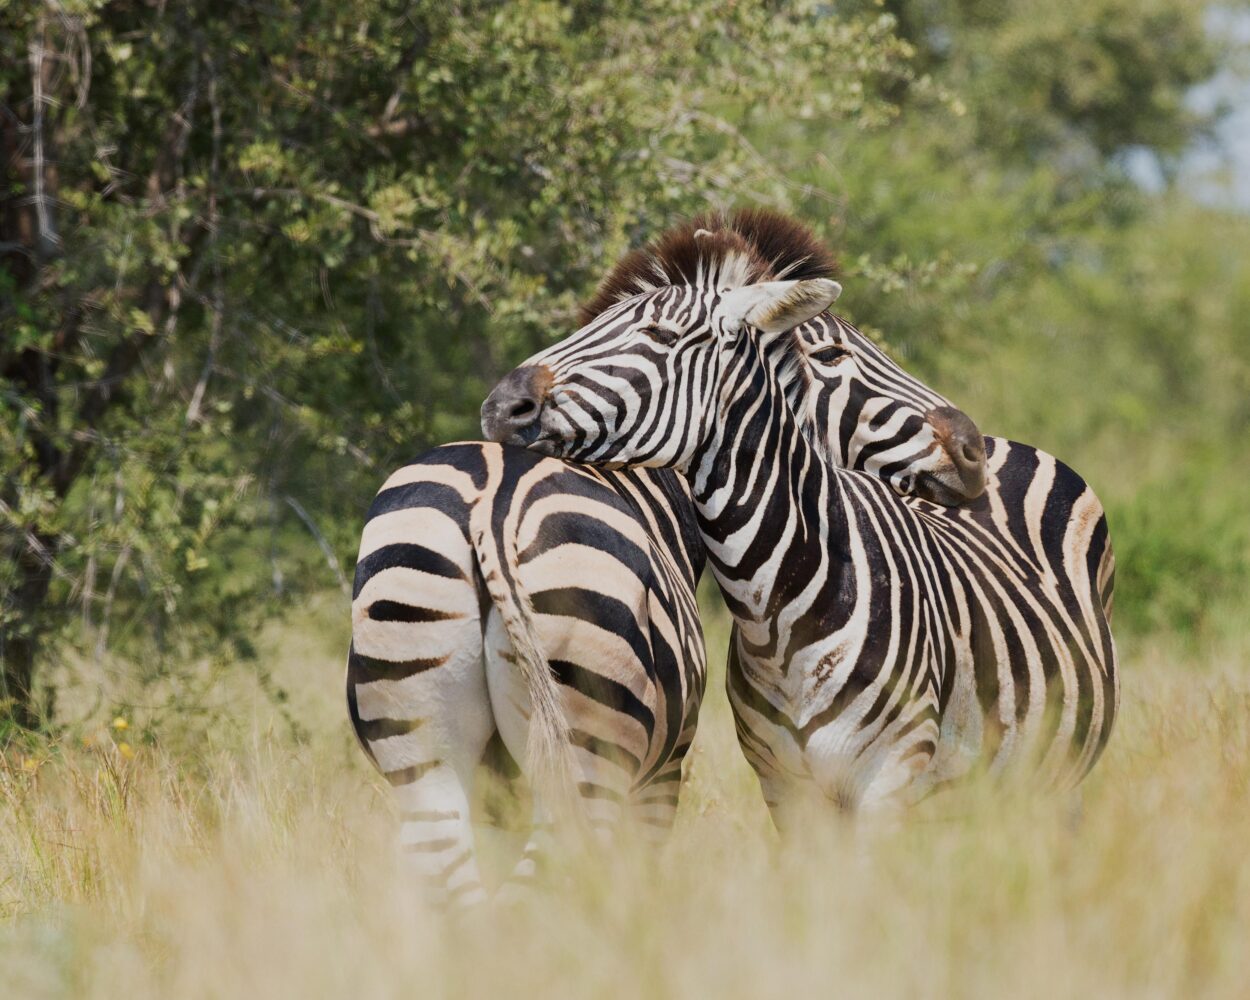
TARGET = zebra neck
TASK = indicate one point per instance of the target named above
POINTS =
(767, 501)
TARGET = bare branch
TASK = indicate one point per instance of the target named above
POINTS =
(47, 240)
(326, 550)
(395, 128)
(177, 132)
(216, 308)
(406, 61)
(106, 615)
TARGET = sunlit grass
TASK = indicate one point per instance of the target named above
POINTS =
(255, 866)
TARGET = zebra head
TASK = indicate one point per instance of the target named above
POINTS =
(638, 383)
(636, 386)
(864, 412)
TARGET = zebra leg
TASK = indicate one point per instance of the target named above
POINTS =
(654, 808)
(436, 836)
(603, 783)
(426, 732)
(416, 689)
(544, 852)
(532, 867)
(1074, 810)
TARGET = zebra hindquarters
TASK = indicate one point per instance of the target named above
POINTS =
(1058, 690)
(473, 549)
(616, 623)
(416, 682)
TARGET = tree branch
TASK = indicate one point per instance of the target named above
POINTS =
(324, 545)
(47, 241)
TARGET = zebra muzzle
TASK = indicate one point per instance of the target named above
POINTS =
(512, 412)
(961, 440)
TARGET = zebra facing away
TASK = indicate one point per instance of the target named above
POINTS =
(486, 572)
(885, 645)
(502, 594)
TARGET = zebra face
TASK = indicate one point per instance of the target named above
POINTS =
(599, 395)
(866, 413)
(638, 385)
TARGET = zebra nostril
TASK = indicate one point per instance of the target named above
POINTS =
(971, 452)
(522, 409)
(513, 408)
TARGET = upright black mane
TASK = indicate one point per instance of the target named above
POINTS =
(742, 248)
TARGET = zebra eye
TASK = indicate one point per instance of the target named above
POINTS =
(828, 354)
(660, 334)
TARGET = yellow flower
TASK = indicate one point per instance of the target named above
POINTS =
(120, 723)
(126, 750)
(30, 764)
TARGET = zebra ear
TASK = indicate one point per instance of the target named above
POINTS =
(777, 306)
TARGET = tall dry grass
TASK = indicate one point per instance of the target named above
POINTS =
(242, 863)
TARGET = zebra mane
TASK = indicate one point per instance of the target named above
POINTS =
(745, 247)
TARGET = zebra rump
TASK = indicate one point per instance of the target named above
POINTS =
(597, 575)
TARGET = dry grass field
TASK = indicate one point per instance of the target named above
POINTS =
(240, 862)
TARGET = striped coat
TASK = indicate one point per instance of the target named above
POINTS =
(476, 551)
(885, 646)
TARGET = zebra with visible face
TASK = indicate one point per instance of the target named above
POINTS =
(1073, 528)
(474, 551)
(884, 645)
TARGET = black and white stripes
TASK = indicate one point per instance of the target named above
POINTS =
(490, 578)
(885, 645)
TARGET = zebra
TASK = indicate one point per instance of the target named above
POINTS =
(459, 566)
(505, 598)
(836, 353)
(885, 645)
(476, 550)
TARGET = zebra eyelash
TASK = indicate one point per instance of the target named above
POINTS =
(660, 334)
(829, 355)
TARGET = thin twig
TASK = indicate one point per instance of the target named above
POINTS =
(47, 232)
(331, 558)
(106, 615)
(214, 339)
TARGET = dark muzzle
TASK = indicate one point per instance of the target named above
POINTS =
(511, 412)
(965, 448)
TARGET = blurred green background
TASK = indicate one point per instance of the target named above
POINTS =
(253, 257)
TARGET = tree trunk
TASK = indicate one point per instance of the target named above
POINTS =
(19, 642)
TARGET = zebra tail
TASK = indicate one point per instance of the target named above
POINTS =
(548, 747)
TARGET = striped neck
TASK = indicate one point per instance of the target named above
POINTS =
(764, 494)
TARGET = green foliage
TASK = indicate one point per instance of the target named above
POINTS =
(253, 256)
(1045, 78)
(285, 247)
(1184, 543)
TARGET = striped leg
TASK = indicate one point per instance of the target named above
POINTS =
(653, 807)
(533, 865)
(436, 835)
(426, 732)
(543, 852)
(416, 690)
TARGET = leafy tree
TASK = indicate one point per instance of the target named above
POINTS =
(998, 246)
(251, 254)
(1070, 77)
